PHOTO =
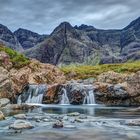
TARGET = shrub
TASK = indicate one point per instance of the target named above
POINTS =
(18, 60)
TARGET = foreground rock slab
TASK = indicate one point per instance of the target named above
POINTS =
(21, 124)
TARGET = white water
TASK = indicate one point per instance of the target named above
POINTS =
(33, 95)
(64, 98)
(89, 98)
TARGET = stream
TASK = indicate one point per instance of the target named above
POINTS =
(83, 122)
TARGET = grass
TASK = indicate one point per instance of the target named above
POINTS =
(87, 71)
(18, 60)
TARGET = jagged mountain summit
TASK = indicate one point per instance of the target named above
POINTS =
(86, 44)
(81, 44)
(28, 39)
(9, 39)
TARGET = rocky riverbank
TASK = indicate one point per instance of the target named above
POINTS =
(109, 88)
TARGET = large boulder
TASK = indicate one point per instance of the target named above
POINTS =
(52, 94)
(118, 89)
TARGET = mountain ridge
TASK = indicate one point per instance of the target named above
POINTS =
(82, 44)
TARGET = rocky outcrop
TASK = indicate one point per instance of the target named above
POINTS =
(12, 80)
(118, 89)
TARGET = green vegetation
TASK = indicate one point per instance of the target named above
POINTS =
(18, 60)
(88, 71)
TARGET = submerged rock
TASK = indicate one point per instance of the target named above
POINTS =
(21, 124)
(58, 124)
(134, 122)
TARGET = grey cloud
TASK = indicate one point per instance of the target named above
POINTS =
(43, 16)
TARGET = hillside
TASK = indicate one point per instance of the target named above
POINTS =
(87, 71)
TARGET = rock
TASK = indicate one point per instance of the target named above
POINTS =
(21, 124)
(135, 122)
(20, 116)
(65, 118)
(133, 84)
(76, 92)
(58, 124)
(5, 84)
(78, 120)
(73, 114)
(51, 95)
(46, 120)
(5, 60)
(19, 107)
(72, 120)
(2, 117)
(4, 102)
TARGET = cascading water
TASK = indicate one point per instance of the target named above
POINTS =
(89, 97)
(32, 94)
(64, 97)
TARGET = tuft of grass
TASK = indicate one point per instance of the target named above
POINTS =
(18, 60)
(88, 71)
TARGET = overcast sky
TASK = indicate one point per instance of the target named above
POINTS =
(43, 16)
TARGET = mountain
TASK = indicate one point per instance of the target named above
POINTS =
(79, 44)
(86, 44)
(9, 39)
(28, 39)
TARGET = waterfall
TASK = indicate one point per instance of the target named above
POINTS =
(89, 98)
(64, 97)
(32, 94)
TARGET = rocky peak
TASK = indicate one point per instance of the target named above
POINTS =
(63, 27)
(85, 27)
(134, 24)
(28, 39)
(8, 38)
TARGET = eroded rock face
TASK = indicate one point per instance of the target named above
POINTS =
(118, 89)
(5, 84)
(76, 93)
(12, 81)
(52, 94)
